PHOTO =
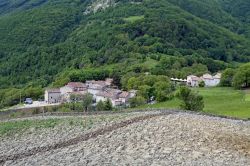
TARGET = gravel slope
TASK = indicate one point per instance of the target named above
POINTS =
(176, 139)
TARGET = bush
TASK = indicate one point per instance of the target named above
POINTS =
(191, 100)
(202, 84)
(100, 106)
(65, 109)
(108, 105)
(137, 101)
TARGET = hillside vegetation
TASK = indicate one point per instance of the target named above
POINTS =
(47, 42)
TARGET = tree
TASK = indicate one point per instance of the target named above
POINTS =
(145, 91)
(100, 106)
(137, 101)
(227, 77)
(202, 84)
(74, 98)
(108, 105)
(190, 100)
(163, 91)
(241, 78)
(87, 101)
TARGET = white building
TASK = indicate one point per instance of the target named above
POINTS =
(211, 81)
(193, 81)
(217, 79)
(52, 96)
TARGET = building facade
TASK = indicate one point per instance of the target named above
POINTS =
(52, 96)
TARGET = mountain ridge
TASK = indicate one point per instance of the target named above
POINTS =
(39, 44)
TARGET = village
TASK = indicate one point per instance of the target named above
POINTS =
(100, 90)
(104, 90)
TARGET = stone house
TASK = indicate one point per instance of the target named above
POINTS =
(111, 94)
(52, 96)
(77, 88)
(94, 87)
(193, 81)
(117, 97)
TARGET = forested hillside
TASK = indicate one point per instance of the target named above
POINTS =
(49, 42)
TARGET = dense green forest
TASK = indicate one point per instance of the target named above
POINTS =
(49, 42)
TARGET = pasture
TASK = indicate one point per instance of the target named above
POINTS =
(218, 101)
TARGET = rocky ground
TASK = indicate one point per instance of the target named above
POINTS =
(174, 139)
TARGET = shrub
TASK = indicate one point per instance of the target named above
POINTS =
(100, 106)
(65, 109)
(137, 101)
(108, 105)
(191, 100)
(227, 77)
(202, 84)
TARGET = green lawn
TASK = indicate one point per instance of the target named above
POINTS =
(219, 101)
(247, 95)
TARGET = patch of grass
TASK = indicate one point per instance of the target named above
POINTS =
(218, 101)
(18, 126)
(247, 95)
(133, 18)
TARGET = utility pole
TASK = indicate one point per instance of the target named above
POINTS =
(20, 97)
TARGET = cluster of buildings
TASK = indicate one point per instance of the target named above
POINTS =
(194, 81)
(101, 91)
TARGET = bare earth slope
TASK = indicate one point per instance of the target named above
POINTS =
(175, 139)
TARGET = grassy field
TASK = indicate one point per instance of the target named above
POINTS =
(247, 95)
(219, 101)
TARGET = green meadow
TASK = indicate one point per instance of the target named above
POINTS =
(218, 101)
(247, 95)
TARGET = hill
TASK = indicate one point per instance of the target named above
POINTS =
(45, 41)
